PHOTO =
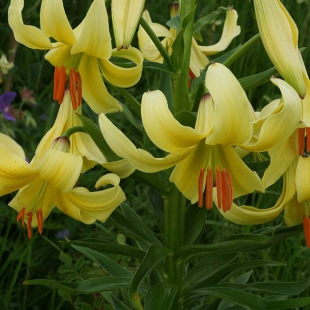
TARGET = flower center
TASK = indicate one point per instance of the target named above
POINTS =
(223, 185)
(62, 80)
(39, 214)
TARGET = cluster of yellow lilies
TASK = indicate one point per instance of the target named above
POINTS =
(207, 159)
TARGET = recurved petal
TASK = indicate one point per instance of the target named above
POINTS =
(248, 215)
(95, 39)
(303, 179)
(232, 114)
(294, 212)
(125, 18)
(54, 22)
(162, 128)
(138, 158)
(30, 36)
(15, 172)
(123, 76)
(121, 167)
(280, 124)
(244, 180)
(11, 146)
(282, 157)
(61, 170)
(279, 35)
(93, 88)
(198, 60)
(230, 31)
(87, 206)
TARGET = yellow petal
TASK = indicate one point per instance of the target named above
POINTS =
(138, 158)
(125, 18)
(87, 206)
(95, 37)
(279, 35)
(198, 60)
(15, 172)
(248, 215)
(121, 167)
(30, 36)
(281, 158)
(35, 196)
(162, 128)
(303, 179)
(11, 146)
(54, 22)
(294, 212)
(61, 170)
(120, 76)
(59, 55)
(93, 88)
(230, 31)
(279, 125)
(232, 114)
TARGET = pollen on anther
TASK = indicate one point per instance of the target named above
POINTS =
(200, 187)
(29, 220)
(301, 140)
(39, 215)
(21, 216)
(209, 189)
(60, 78)
(75, 88)
(306, 225)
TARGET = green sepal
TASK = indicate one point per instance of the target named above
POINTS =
(109, 265)
(94, 131)
(160, 296)
(131, 225)
(154, 256)
(209, 19)
(109, 248)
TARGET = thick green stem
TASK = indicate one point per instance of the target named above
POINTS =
(180, 84)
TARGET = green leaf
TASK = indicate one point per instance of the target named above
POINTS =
(236, 243)
(209, 19)
(165, 85)
(65, 258)
(157, 204)
(128, 115)
(186, 118)
(131, 224)
(90, 286)
(157, 66)
(105, 262)
(117, 304)
(94, 131)
(152, 258)
(160, 296)
(132, 101)
(111, 248)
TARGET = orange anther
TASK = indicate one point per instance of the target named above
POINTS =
(39, 215)
(75, 88)
(306, 224)
(219, 190)
(29, 220)
(60, 78)
(21, 216)
(200, 187)
(209, 189)
(308, 139)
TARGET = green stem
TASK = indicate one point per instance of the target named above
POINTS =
(73, 130)
(181, 97)
(240, 51)
(155, 40)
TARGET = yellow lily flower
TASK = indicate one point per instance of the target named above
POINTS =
(203, 156)
(81, 143)
(49, 181)
(279, 35)
(125, 18)
(81, 55)
(198, 59)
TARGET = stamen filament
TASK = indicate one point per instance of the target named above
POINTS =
(209, 189)
(21, 216)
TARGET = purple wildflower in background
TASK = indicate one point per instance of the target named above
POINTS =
(5, 104)
(62, 234)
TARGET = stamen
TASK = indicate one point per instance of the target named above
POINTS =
(308, 139)
(200, 187)
(191, 76)
(306, 224)
(75, 88)
(39, 215)
(301, 140)
(219, 190)
(226, 190)
(60, 77)
(209, 189)
(21, 216)
(29, 220)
